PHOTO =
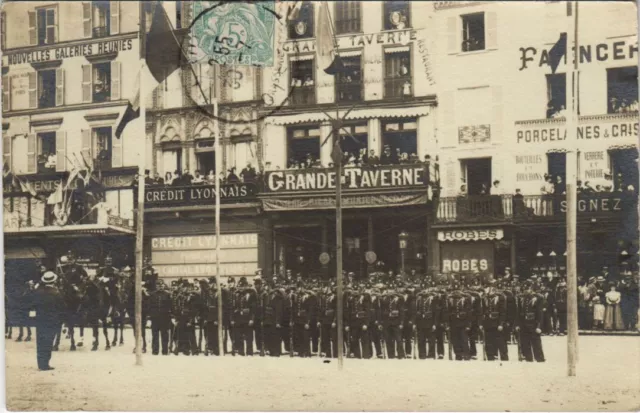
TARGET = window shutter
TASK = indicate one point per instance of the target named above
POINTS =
(32, 160)
(33, 90)
(496, 127)
(86, 151)
(55, 23)
(33, 39)
(114, 7)
(59, 87)
(451, 177)
(452, 35)
(115, 80)
(491, 30)
(87, 24)
(61, 151)
(7, 141)
(116, 150)
(86, 84)
(6, 93)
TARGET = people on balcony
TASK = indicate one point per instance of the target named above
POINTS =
(211, 177)
(197, 178)
(248, 174)
(168, 178)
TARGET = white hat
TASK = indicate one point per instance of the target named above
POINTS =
(126, 269)
(64, 259)
(49, 277)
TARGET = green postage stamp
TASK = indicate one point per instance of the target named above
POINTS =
(239, 33)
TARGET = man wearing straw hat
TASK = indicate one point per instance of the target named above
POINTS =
(49, 310)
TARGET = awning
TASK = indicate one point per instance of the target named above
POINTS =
(70, 230)
(382, 113)
(16, 253)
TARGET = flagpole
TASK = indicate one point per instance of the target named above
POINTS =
(141, 168)
(218, 158)
(340, 298)
(571, 182)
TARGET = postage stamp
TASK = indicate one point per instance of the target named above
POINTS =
(240, 33)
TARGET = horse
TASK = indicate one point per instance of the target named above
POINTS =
(119, 309)
(98, 306)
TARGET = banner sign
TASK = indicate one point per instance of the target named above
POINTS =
(195, 256)
(65, 52)
(610, 129)
(50, 185)
(393, 176)
(467, 257)
(470, 234)
(348, 201)
(163, 196)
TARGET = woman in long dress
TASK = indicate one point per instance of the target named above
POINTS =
(613, 314)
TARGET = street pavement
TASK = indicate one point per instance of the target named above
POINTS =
(608, 380)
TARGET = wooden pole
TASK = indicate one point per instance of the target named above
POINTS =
(340, 325)
(572, 202)
(141, 168)
(217, 173)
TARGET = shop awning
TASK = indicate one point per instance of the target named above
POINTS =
(70, 230)
(382, 113)
(16, 253)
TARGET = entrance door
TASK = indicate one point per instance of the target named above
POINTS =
(478, 173)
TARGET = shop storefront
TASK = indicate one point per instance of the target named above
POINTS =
(379, 204)
(180, 231)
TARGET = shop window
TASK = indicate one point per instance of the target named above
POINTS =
(473, 35)
(43, 26)
(397, 77)
(347, 17)
(303, 144)
(303, 27)
(46, 152)
(354, 141)
(624, 167)
(622, 89)
(302, 82)
(102, 146)
(556, 95)
(349, 81)
(400, 138)
(477, 175)
(397, 15)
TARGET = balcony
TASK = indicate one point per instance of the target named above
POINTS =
(398, 87)
(303, 95)
(349, 92)
(101, 31)
(533, 208)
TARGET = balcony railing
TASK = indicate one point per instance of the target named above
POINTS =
(500, 208)
(303, 95)
(101, 31)
(349, 92)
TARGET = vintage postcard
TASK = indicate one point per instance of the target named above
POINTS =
(320, 205)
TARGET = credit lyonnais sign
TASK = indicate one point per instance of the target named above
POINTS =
(197, 194)
(398, 176)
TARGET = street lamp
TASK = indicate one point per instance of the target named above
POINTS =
(403, 237)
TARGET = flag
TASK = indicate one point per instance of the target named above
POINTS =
(164, 56)
(26, 186)
(328, 58)
(56, 196)
(557, 52)
(294, 11)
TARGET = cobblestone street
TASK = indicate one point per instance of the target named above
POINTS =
(608, 379)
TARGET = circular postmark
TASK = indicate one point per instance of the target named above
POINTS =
(234, 36)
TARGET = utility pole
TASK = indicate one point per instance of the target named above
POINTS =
(572, 96)
(218, 159)
(141, 167)
(335, 130)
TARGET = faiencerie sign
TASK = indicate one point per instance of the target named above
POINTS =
(162, 196)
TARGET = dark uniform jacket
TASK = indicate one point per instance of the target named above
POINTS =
(160, 306)
(49, 306)
(409, 300)
(302, 309)
(426, 310)
(360, 309)
(272, 307)
(512, 306)
(376, 315)
(560, 298)
(210, 304)
(460, 310)
(327, 308)
(393, 309)
(530, 314)
(74, 274)
(245, 306)
(495, 310)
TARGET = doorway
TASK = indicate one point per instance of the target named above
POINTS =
(477, 173)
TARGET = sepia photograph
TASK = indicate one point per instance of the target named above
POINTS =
(285, 205)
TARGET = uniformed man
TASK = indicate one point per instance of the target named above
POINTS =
(185, 321)
(257, 326)
(227, 312)
(160, 316)
(393, 315)
(272, 304)
(49, 306)
(530, 324)
(211, 316)
(358, 323)
(425, 312)
(494, 320)
(409, 317)
(443, 317)
(560, 298)
(508, 290)
(375, 324)
(460, 313)
(243, 317)
(286, 332)
(327, 311)
(475, 316)
(301, 320)
(548, 310)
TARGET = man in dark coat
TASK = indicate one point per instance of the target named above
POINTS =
(272, 302)
(160, 315)
(460, 312)
(49, 309)
(494, 319)
(530, 320)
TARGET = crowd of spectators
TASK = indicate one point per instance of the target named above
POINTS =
(185, 178)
